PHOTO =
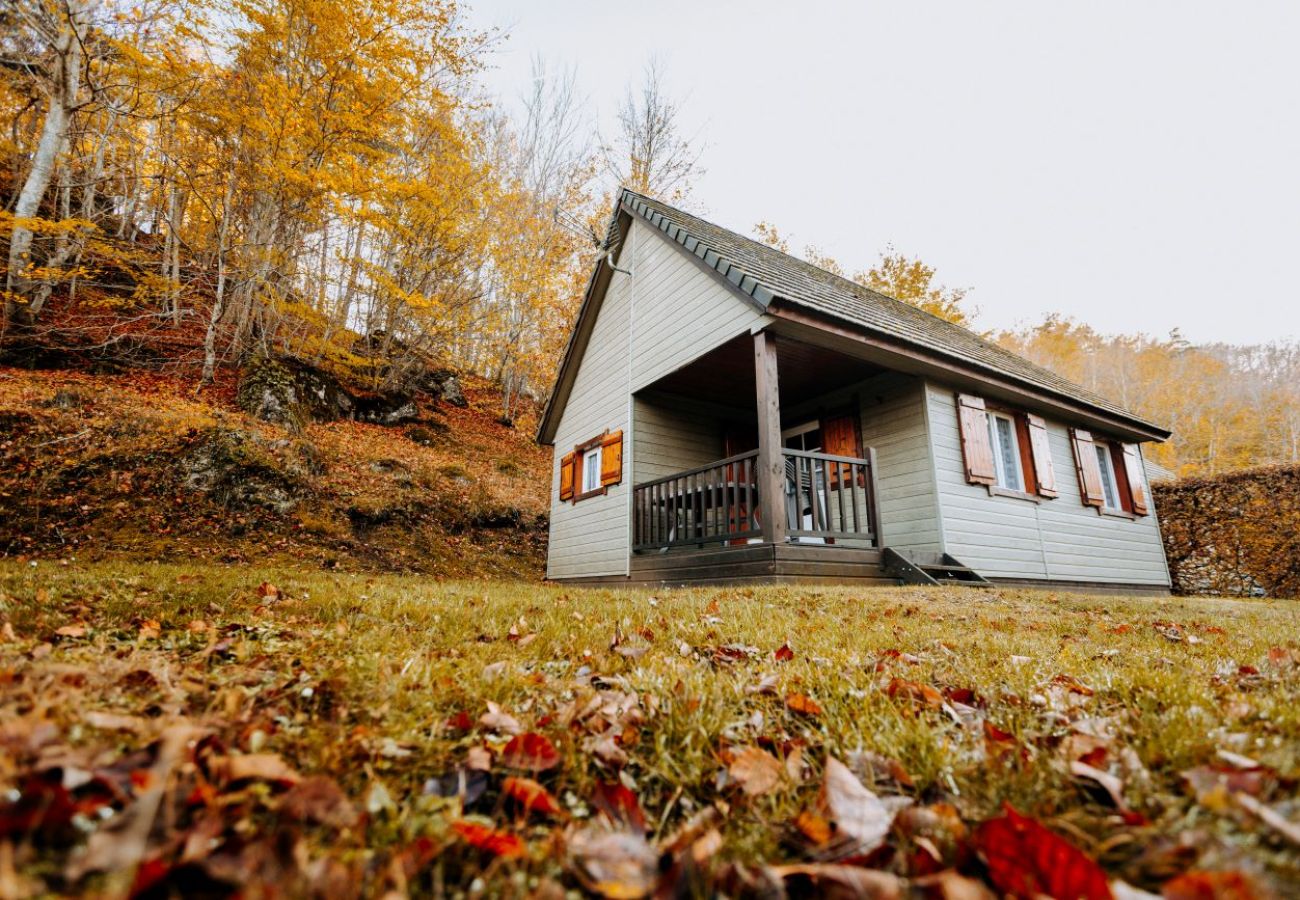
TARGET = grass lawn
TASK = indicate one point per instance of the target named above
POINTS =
(181, 730)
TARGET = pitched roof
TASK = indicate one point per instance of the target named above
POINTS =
(766, 274)
(776, 280)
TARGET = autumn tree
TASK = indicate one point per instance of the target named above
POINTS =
(649, 152)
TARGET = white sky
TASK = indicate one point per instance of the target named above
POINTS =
(1135, 164)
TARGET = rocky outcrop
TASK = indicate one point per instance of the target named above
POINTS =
(292, 393)
(242, 472)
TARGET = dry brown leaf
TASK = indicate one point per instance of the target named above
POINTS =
(496, 720)
(255, 767)
(478, 758)
(840, 881)
(319, 799)
(107, 721)
(856, 812)
(614, 863)
(756, 771)
(803, 704)
(1113, 786)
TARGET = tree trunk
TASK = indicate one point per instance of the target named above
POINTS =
(64, 86)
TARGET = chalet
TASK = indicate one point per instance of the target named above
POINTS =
(727, 413)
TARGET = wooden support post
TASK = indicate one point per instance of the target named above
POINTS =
(770, 473)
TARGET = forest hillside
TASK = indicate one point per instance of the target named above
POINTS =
(142, 467)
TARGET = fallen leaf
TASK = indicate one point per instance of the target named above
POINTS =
(531, 751)
(1270, 817)
(483, 837)
(496, 720)
(1211, 886)
(920, 694)
(619, 805)
(75, 630)
(839, 881)
(255, 767)
(268, 591)
(478, 758)
(530, 796)
(319, 799)
(856, 812)
(951, 885)
(803, 704)
(1073, 685)
(1111, 784)
(107, 721)
(783, 653)
(150, 629)
(812, 826)
(613, 863)
(756, 771)
(1026, 860)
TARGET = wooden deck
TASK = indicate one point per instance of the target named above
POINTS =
(754, 564)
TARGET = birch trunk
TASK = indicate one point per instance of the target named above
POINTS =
(63, 98)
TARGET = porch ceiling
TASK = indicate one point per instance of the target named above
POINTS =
(726, 375)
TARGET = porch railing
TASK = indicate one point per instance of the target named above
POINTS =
(827, 499)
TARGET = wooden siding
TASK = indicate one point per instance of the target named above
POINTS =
(674, 434)
(680, 312)
(1056, 540)
(590, 537)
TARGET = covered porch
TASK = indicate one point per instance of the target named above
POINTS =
(781, 481)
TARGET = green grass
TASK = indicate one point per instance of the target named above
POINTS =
(357, 677)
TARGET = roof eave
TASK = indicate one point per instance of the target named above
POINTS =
(783, 308)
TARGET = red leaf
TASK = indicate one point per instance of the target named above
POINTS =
(531, 796)
(461, 721)
(619, 805)
(498, 843)
(783, 653)
(530, 751)
(1025, 860)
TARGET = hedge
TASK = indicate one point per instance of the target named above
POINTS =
(1235, 534)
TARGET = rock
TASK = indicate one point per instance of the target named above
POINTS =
(382, 410)
(452, 393)
(445, 385)
(292, 393)
(237, 471)
(267, 391)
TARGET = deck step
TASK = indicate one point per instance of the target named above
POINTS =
(930, 568)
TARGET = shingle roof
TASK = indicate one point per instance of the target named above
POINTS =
(766, 274)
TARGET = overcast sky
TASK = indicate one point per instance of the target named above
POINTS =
(1133, 164)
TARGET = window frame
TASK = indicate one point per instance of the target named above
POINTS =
(592, 448)
(1109, 482)
(1000, 467)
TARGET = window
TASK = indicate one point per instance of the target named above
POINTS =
(1109, 491)
(590, 470)
(1007, 466)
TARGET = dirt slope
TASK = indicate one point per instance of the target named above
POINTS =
(145, 466)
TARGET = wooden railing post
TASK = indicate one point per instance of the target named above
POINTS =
(873, 498)
(771, 464)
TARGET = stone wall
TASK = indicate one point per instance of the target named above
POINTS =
(1236, 534)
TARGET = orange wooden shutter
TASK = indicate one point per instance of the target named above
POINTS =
(611, 459)
(1040, 452)
(1085, 463)
(840, 438)
(975, 447)
(1133, 468)
(566, 476)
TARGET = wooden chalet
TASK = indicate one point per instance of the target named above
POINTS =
(727, 413)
